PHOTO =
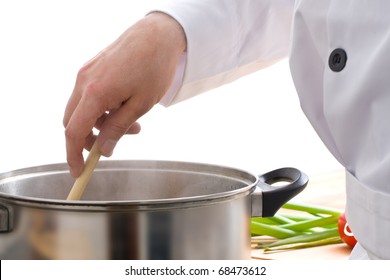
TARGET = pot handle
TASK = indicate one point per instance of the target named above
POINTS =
(6, 220)
(273, 197)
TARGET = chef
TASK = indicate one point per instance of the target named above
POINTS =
(339, 54)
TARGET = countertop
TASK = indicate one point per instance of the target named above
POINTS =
(327, 190)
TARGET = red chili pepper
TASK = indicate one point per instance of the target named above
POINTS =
(345, 232)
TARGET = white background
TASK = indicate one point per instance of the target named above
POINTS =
(254, 124)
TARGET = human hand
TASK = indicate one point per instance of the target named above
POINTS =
(120, 84)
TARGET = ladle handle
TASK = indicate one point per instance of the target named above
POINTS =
(81, 182)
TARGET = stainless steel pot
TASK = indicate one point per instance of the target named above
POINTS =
(138, 210)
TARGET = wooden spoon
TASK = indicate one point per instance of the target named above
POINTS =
(81, 182)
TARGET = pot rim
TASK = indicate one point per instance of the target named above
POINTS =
(248, 178)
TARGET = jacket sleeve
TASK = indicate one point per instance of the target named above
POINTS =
(226, 39)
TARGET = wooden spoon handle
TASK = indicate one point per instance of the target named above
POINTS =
(81, 182)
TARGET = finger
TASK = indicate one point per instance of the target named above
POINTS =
(135, 128)
(100, 121)
(74, 157)
(71, 105)
(78, 132)
(89, 141)
(74, 145)
(119, 123)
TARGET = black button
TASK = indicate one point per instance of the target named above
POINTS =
(337, 60)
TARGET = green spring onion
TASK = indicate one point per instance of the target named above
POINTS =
(313, 226)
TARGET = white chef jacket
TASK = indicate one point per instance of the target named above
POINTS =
(339, 54)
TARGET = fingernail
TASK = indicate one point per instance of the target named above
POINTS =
(108, 147)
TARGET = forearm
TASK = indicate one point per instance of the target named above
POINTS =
(227, 40)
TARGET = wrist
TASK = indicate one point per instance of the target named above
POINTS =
(170, 29)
